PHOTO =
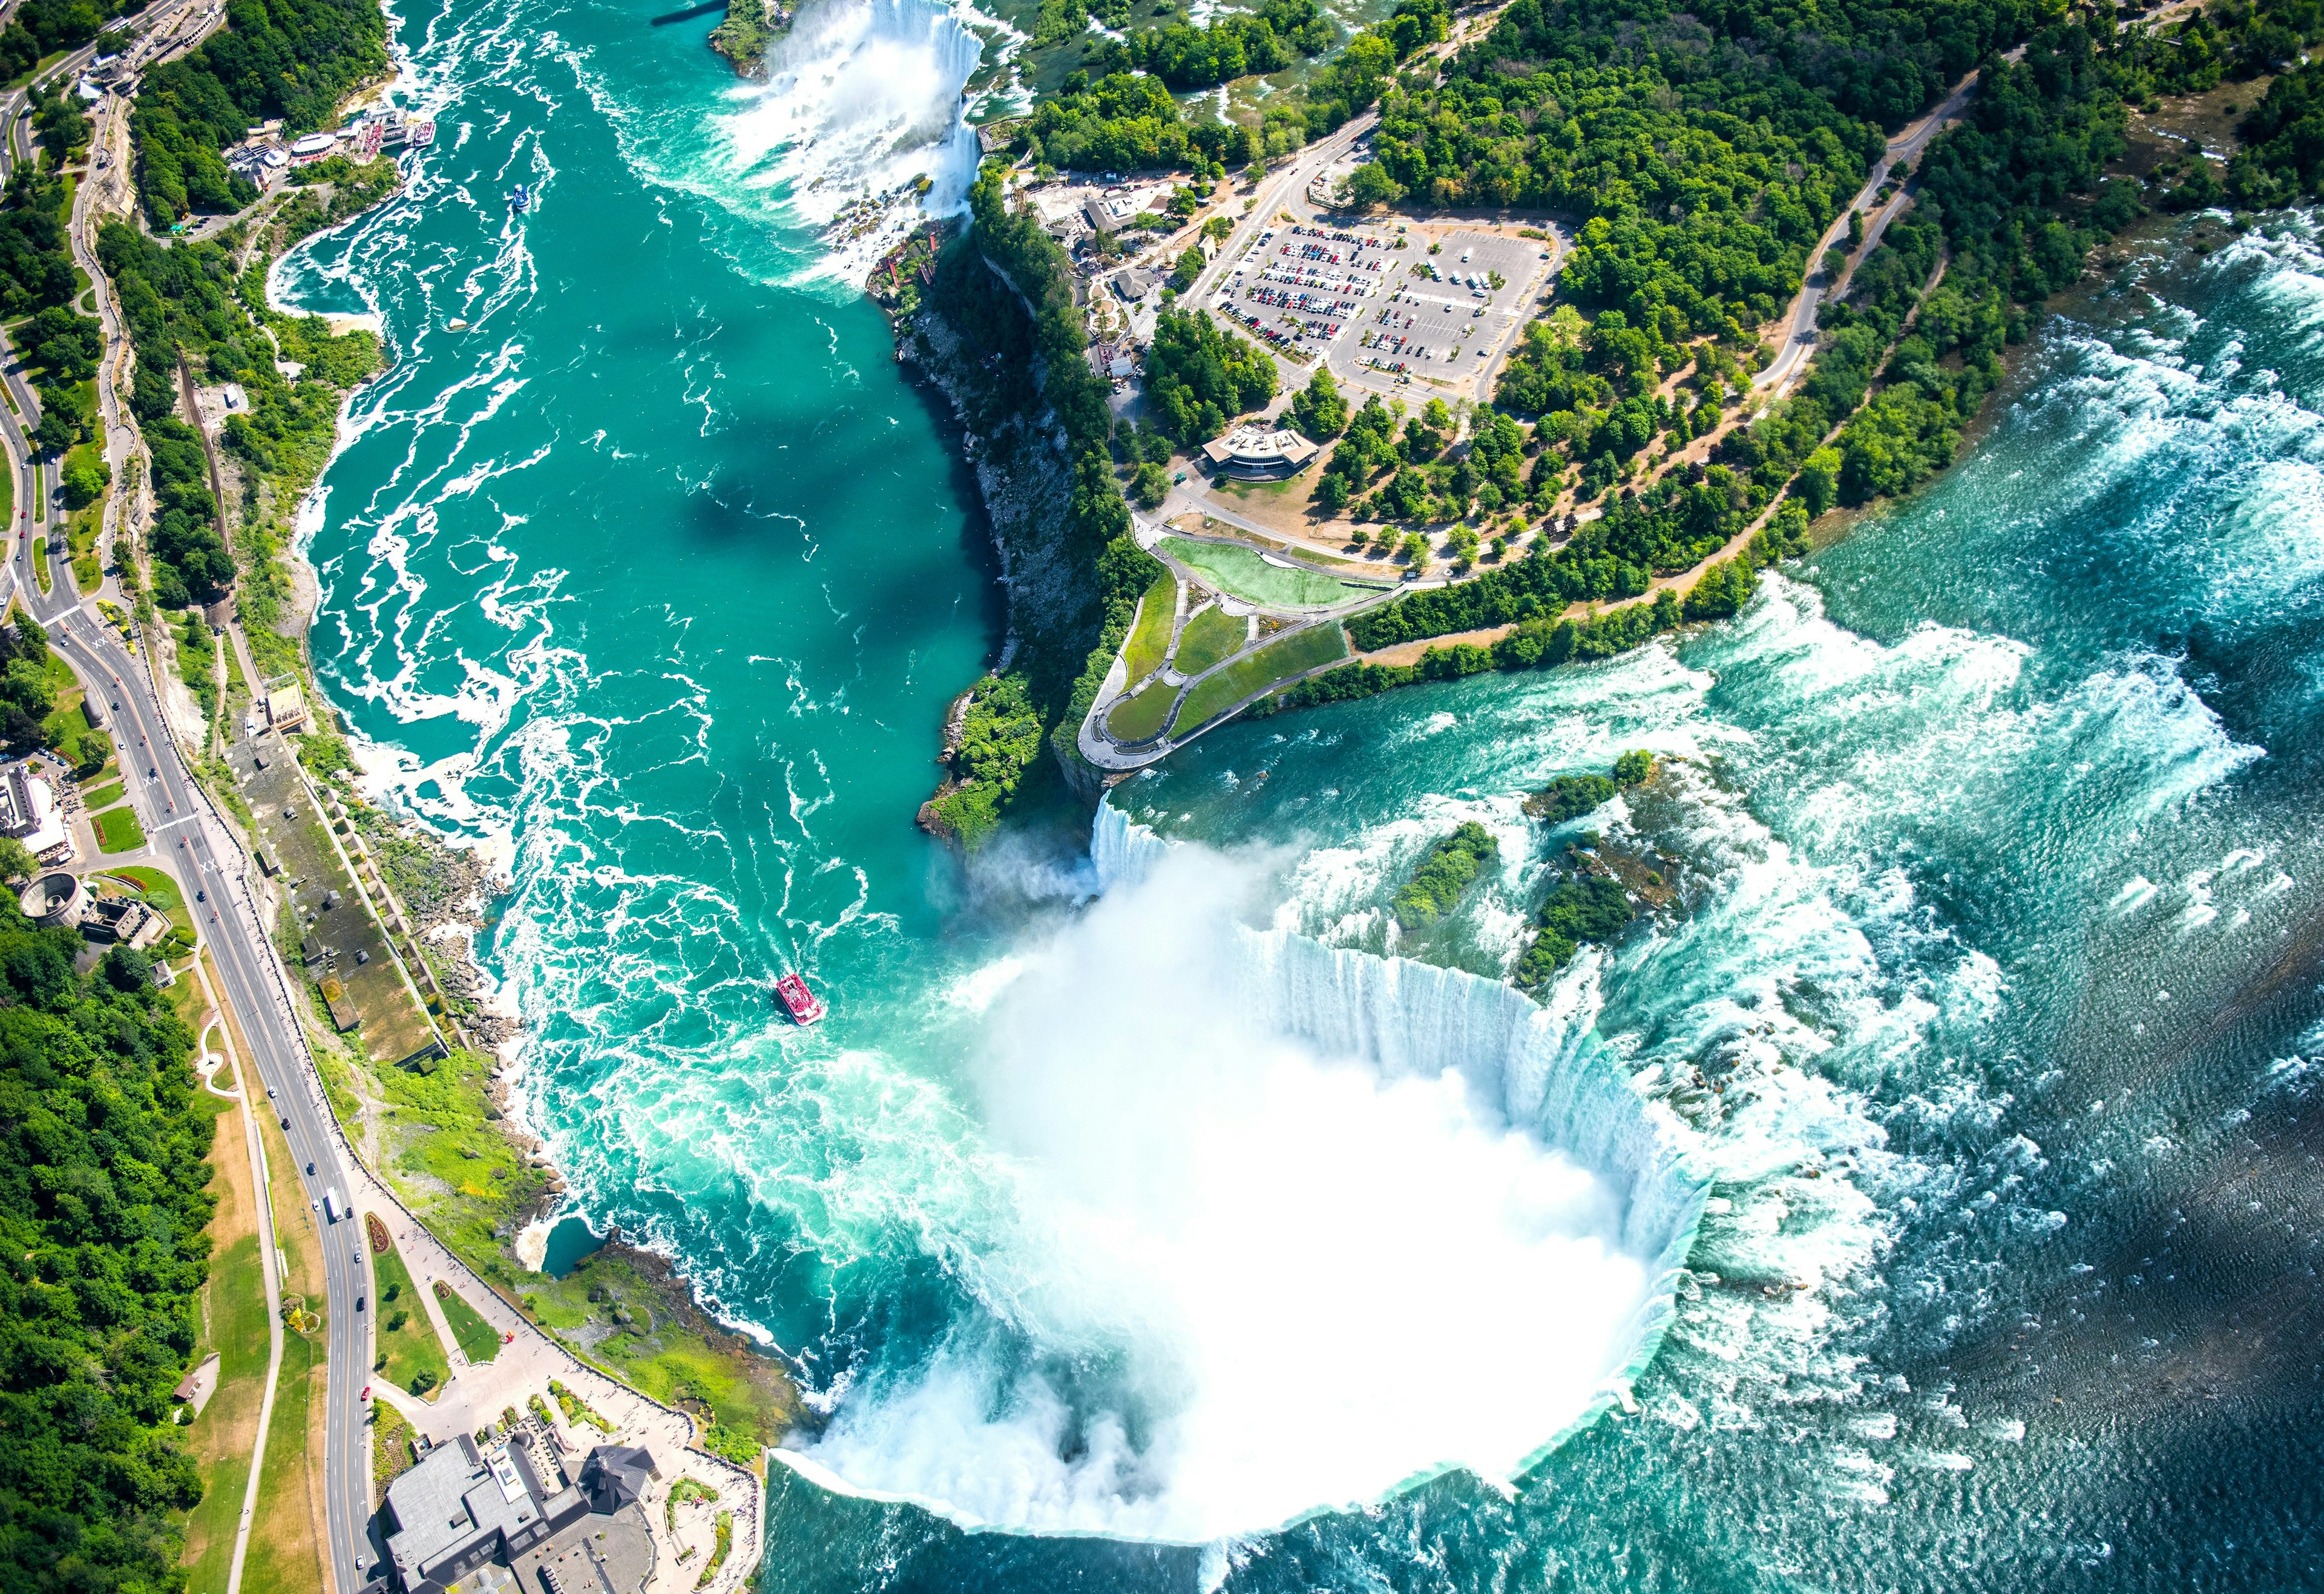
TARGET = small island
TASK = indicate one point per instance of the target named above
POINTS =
(1444, 875)
(751, 26)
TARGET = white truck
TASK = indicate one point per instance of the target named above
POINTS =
(332, 1211)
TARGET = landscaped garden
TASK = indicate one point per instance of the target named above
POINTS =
(479, 1341)
(1141, 718)
(117, 831)
(1210, 637)
(1243, 573)
(1293, 655)
(1150, 639)
(409, 1354)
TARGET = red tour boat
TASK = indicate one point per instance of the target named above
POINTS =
(797, 1000)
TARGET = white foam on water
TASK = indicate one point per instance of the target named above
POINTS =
(1249, 1176)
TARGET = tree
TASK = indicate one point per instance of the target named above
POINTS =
(1151, 486)
(1372, 189)
(57, 432)
(1318, 409)
(1634, 767)
(86, 480)
(1817, 486)
(16, 860)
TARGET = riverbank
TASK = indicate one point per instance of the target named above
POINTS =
(439, 1123)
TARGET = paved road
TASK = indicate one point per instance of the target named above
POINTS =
(183, 827)
(1905, 146)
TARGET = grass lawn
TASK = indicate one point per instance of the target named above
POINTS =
(81, 529)
(1150, 639)
(410, 1347)
(117, 831)
(104, 797)
(479, 1341)
(1208, 636)
(40, 563)
(1141, 718)
(283, 1552)
(234, 1325)
(1241, 572)
(160, 892)
(1300, 651)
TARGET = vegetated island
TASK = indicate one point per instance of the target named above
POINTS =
(1444, 875)
(1589, 900)
(1633, 394)
(750, 27)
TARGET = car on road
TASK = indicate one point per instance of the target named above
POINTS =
(270, 1092)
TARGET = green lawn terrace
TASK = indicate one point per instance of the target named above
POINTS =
(1196, 655)
(1269, 581)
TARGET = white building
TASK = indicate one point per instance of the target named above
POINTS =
(28, 811)
(1259, 453)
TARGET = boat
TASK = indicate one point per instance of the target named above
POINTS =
(797, 1000)
(520, 199)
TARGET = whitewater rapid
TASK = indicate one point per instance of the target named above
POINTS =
(1255, 1186)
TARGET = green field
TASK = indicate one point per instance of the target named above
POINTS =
(1151, 637)
(1292, 655)
(410, 1347)
(1141, 718)
(104, 797)
(479, 1341)
(1239, 571)
(40, 563)
(117, 831)
(234, 1323)
(1210, 637)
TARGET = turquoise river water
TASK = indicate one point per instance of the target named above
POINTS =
(1926, 1205)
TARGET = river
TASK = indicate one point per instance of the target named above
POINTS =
(1139, 1201)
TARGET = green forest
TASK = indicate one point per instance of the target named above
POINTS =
(103, 1207)
(290, 59)
(182, 302)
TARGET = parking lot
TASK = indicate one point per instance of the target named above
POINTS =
(1380, 308)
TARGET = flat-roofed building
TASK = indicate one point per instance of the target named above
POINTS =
(28, 811)
(1259, 453)
(461, 1508)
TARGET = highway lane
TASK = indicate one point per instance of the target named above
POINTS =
(183, 828)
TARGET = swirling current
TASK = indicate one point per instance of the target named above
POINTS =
(1923, 1204)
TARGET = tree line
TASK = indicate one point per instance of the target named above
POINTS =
(104, 1203)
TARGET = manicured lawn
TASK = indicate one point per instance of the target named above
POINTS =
(408, 1345)
(104, 797)
(40, 563)
(1139, 718)
(1150, 638)
(1210, 636)
(1279, 661)
(117, 831)
(479, 1341)
(234, 1323)
(1240, 571)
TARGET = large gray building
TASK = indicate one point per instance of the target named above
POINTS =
(461, 1508)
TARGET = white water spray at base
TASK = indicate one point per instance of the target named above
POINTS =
(862, 102)
(1292, 1229)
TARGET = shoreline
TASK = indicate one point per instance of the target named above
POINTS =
(641, 1282)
